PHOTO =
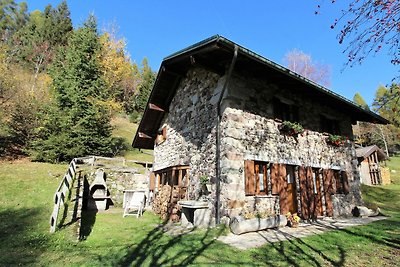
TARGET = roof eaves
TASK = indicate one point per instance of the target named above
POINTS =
(303, 79)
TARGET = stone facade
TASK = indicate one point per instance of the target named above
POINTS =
(248, 132)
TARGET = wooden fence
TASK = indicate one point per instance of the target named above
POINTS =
(64, 189)
(62, 193)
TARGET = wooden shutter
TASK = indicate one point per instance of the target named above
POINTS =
(328, 191)
(152, 181)
(274, 178)
(303, 192)
(310, 192)
(250, 187)
(282, 187)
(345, 181)
(318, 196)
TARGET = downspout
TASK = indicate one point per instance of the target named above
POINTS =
(218, 138)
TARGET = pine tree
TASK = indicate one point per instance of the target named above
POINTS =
(80, 125)
(148, 79)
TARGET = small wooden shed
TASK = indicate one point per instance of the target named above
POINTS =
(369, 164)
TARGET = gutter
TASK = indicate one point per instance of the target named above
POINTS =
(218, 137)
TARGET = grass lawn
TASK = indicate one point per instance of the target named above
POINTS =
(26, 202)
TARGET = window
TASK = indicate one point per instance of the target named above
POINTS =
(257, 178)
(290, 177)
(329, 125)
(285, 111)
(341, 182)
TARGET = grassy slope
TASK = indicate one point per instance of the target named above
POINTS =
(125, 129)
(25, 206)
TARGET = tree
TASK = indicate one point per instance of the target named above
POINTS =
(368, 26)
(302, 64)
(80, 124)
(121, 76)
(12, 18)
(387, 103)
(358, 99)
(37, 42)
(145, 87)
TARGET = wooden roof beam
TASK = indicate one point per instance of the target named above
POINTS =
(155, 107)
(143, 135)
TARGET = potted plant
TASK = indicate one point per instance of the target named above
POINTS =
(205, 185)
(337, 140)
(291, 128)
(292, 220)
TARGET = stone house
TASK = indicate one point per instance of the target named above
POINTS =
(217, 113)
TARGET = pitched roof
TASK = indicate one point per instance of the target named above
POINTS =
(365, 152)
(213, 54)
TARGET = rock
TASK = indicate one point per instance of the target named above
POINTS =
(239, 225)
(361, 211)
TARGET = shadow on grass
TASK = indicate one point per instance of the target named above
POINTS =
(87, 223)
(20, 242)
(160, 247)
(319, 250)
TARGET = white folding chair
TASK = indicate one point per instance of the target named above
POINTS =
(136, 204)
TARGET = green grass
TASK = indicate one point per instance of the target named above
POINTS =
(26, 202)
(127, 130)
(394, 166)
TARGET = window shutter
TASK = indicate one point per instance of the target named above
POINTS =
(310, 192)
(250, 187)
(152, 181)
(282, 189)
(274, 178)
(328, 191)
(345, 181)
(303, 192)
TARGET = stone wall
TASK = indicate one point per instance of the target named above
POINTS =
(249, 132)
(191, 132)
(120, 179)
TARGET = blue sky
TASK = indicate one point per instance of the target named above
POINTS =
(156, 29)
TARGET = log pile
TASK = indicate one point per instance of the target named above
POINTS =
(166, 202)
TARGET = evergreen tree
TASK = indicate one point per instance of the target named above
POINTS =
(148, 79)
(12, 18)
(80, 125)
(42, 35)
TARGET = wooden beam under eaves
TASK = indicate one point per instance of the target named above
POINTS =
(143, 135)
(155, 107)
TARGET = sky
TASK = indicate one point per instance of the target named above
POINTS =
(156, 29)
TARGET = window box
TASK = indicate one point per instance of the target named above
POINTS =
(291, 128)
(337, 140)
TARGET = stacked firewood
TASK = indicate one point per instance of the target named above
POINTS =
(166, 202)
(161, 202)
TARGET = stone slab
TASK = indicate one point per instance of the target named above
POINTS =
(260, 238)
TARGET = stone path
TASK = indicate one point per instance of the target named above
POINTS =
(257, 239)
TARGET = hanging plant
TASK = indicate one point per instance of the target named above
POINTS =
(337, 140)
(291, 128)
